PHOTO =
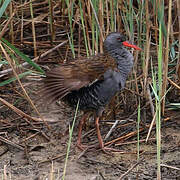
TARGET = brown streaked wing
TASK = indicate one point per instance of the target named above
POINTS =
(74, 75)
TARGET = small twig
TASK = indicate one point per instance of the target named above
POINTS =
(19, 112)
(172, 167)
(129, 170)
(133, 142)
(32, 136)
(87, 133)
(46, 137)
(110, 131)
(82, 153)
(100, 173)
(38, 132)
(4, 150)
(13, 125)
(151, 125)
(11, 143)
(123, 137)
(173, 83)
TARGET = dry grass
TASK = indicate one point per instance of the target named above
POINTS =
(35, 28)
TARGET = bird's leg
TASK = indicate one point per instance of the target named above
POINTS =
(101, 143)
(81, 123)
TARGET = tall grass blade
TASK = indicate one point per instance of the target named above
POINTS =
(158, 105)
(138, 123)
(8, 81)
(70, 139)
(4, 6)
(156, 92)
(70, 5)
(166, 57)
(23, 56)
(84, 32)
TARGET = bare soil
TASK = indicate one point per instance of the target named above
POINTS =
(44, 157)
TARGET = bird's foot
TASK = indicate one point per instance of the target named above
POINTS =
(81, 146)
(108, 150)
(85, 147)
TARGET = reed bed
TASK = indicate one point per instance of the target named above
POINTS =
(31, 28)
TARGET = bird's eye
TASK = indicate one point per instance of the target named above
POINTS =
(119, 39)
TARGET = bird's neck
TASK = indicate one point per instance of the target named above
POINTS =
(124, 61)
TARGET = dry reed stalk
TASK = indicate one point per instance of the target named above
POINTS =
(6, 25)
(166, 60)
(19, 112)
(101, 24)
(33, 29)
(11, 23)
(147, 46)
(51, 19)
(86, 25)
(156, 27)
(107, 18)
(119, 22)
(178, 61)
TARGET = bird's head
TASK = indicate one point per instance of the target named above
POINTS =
(116, 40)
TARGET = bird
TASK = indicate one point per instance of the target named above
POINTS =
(92, 81)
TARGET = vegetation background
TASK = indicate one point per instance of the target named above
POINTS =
(37, 34)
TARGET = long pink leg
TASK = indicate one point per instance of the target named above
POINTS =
(101, 143)
(81, 123)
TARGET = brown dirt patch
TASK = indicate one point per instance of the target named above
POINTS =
(45, 158)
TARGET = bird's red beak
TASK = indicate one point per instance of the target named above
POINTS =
(127, 44)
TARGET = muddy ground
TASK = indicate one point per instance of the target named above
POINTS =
(44, 154)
